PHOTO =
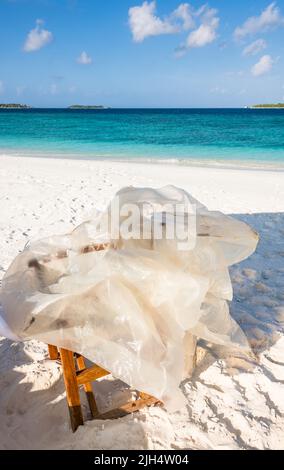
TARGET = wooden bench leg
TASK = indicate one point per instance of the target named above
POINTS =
(72, 390)
(53, 352)
(88, 388)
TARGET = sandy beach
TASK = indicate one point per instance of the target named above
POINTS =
(233, 401)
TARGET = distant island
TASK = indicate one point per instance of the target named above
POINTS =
(81, 106)
(14, 106)
(270, 105)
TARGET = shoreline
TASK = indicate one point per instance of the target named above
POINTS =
(218, 187)
(234, 164)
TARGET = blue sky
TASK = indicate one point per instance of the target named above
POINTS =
(131, 53)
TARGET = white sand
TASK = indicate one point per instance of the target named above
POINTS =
(233, 401)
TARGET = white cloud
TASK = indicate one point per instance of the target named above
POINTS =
(2, 88)
(184, 13)
(207, 31)
(37, 38)
(143, 22)
(269, 18)
(263, 66)
(203, 35)
(84, 58)
(255, 47)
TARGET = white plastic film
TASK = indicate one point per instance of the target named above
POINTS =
(132, 304)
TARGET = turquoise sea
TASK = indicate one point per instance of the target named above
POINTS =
(185, 135)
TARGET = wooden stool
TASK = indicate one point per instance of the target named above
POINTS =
(75, 374)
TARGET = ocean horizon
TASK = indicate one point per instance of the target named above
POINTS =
(224, 136)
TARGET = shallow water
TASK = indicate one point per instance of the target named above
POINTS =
(221, 135)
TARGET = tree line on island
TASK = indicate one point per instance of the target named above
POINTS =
(14, 106)
(73, 106)
(269, 105)
(82, 106)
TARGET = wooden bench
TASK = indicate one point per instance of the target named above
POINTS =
(76, 374)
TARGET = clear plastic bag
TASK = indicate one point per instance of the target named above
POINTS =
(131, 305)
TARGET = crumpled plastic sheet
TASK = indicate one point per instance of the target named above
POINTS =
(134, 307)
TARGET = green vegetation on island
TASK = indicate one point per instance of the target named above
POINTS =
(14, 106)
(81, 106)
(269, 105)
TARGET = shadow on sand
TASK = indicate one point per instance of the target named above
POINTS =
(258, 303)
